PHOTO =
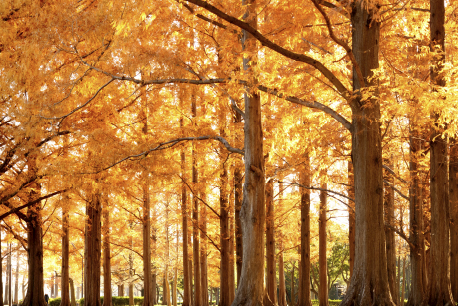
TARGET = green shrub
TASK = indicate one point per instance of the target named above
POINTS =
(54, 302)
(331, 302)
(117, 301)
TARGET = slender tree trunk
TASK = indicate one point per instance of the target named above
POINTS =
(224, 234)
(417, 238)
(35, 287)
(10, 272)
(164, 290)
(351, 216)
(231, 249)
(92, 252)
(238, 223)
(293, 298)
(453, 185)
(7, 278)
(369, 282)
(131, 294)
(304, 272)
(403, 281)
(323, 292)
(1, 272)
(439, 283)
(195, 217)
(270, 249)
(65, 271)
(251, 290)
(107, 294)
(203, 255)
(56, 285)
(184, 213)
(16, 281)
(281, 276)
(174, 287)
(72, 293)
(390, 239)
(121, 290)
(147, 283)
(53, 279)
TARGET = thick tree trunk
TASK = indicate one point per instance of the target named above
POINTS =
(92, 253)
(304, 272)
(195, 217)
(351, 216)
(251, 290)
(417, 238)
(439, 292)
(281, 276)
(35, 287)
(453, 185)
(369, 282)
(389, 233)
(65, 271)
(107, 294)
(271, 283)
(323, 291)
(224, 235)
(121, 290)
(131, 294)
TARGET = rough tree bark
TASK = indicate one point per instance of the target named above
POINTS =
(195, 216)
(369, 282)
(238, 205)
(271, 283)
(184, 214)
(453, 185)
(389, 233)
(224, 233)
(322, 256)
(65, 271)
(35, 287)
(417, 251)
(251, 287)
(439, 291)
(304, 272)
(351, 216)
(107, 294)
(92, 252)
(203, 255)
(281, 275)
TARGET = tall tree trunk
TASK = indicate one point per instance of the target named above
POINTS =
(16, 281)
(121, 290)
(238, 223)
(7, 278)
(224, 234)
(53, 279)
(203, 255)
(147, 283)
(10, 272)
(65, 271)
(369, 282)
(1, 272)
(251, 287)
(293, 298)
(390, 239)
(281, 276)
(35, 287)
(107, 294)
(164, 290)
(304, 272)
(231, 249)
(174, 287)
(453, 185)
(439, 292)
(351, 216)
(184, 213)
(270, 248)
(195, 216)
(72, 293)
(56, 285)
(323, 291)
(417, 238)
(92, 252)
(403, 281)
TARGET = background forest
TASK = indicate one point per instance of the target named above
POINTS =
(254, 152)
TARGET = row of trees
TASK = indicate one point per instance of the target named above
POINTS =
(118, 114)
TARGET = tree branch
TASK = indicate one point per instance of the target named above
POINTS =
(271, 45)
